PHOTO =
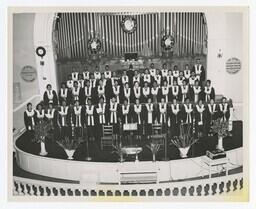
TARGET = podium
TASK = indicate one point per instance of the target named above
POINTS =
(130, 128)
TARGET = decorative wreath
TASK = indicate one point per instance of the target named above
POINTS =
(129, 24)
(94, 45)
(40, 51)
(167, 42)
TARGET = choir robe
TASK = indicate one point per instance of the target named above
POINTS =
(113, 116)
(86, 75)
(77, 94)
(81, 83)
(97, 75)
(74, 76)
(164, 73)
(200, 119)
(192, 81)
(152, 72)
(158, 79)
(136, 94)
(130, 74)
(108, 74)
(184, 93)
(65, 95)
(196, 93)
(50, 96)
(136, 79)
(175, 74)
(86, 94)
(224, 111)
(108, 90)
(162, 113)
(138, 117)
(126, 94)
(175, 119)
(29, 119)
(200, 72)
(90, 120)
(212, 114)
(52, 117)
(101, 110)
(40, 116)
(209, 93)
(77, 120)
(188, 114)
(101, 90)
(145, 94)
(165, 93)
(175, 92)
(125, 114)
(116, 93)
(125, 79)
(187, 75)
(149, 115)
(170, 80)
(180, 80)
(156, 94)
(64, 118)
(147, 78)
(70, 84)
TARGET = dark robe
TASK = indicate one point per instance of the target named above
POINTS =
(54, 99)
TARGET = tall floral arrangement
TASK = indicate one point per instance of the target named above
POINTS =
(220, 127)
(41, 131)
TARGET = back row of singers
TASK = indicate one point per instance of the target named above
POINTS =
(148, 75)
(92, 117)
(194, 93)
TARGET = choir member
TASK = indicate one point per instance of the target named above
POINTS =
(29, 117)
(76, 92)
(77, 120)
(200, 118)
(107, 72)
(136, 92)
(74, 75)
(164, 71)
(97, 75)
(50, 96)
(152, 70)
(87, 91)
(113, 108)
(187, 72)
(145, 92)
(184, 91)
(170, 78)
(158, 77)
(212, 114)
(104, 80)
(70, 82)
(101, 90)
(149, 116)
(198, 68)
(165, 91)
(224, 109)
(175, 72)
(162, 111)
(155, 92)
(175, 118)
(196, 92)
(181, 78)
(127, 92)
(130, 74)
(125, 78)
(116, 91)
(175, 91)
(192, 79)
(52, 116)
(126, 113)
(64, 120)
(101, 111)
(188, 110)
(80, 80)
(138, 118)
(147, 77)
(209, 92)
(90, 120)
(114, 78)
(86, 74)
(136, 77)
(40, 113)
(93, 81)
(64, 94)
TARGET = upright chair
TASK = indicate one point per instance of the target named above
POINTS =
(107, 136)
(157, 134)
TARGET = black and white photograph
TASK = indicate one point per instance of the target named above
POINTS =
(129, 103)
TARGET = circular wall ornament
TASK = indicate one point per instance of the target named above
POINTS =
(167, 42)
(40, 51)
(28, 73)
(94, 45)
(129, 24)
(233, 65)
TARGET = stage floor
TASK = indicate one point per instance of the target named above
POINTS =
(107, 155)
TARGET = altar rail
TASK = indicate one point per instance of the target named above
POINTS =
(203, 187)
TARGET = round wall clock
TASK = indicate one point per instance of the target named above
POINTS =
(129, 24)
(167, 42)
(40, 51)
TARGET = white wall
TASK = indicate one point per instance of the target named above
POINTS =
(225, 32)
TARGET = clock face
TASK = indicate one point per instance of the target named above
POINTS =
(129, 24)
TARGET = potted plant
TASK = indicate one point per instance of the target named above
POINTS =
(118, 149)
(221, 129)
(41, 132)
(69, 146)
(185, 140)
(154, 148)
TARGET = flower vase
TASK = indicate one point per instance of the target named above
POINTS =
(154, 157)
(70, 153)
(184, 152)
(43, 150)
(220, 143)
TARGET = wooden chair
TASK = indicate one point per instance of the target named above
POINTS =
(157, 134)
(107, 136)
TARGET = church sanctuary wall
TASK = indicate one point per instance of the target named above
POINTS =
(24, 55)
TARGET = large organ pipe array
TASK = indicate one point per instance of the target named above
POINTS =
(73, 30)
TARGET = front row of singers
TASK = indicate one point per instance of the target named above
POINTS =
(87, 120)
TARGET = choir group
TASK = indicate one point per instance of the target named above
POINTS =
(88, 100)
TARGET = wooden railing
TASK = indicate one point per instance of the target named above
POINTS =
(202, 187)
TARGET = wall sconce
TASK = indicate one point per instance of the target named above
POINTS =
(220, 54)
